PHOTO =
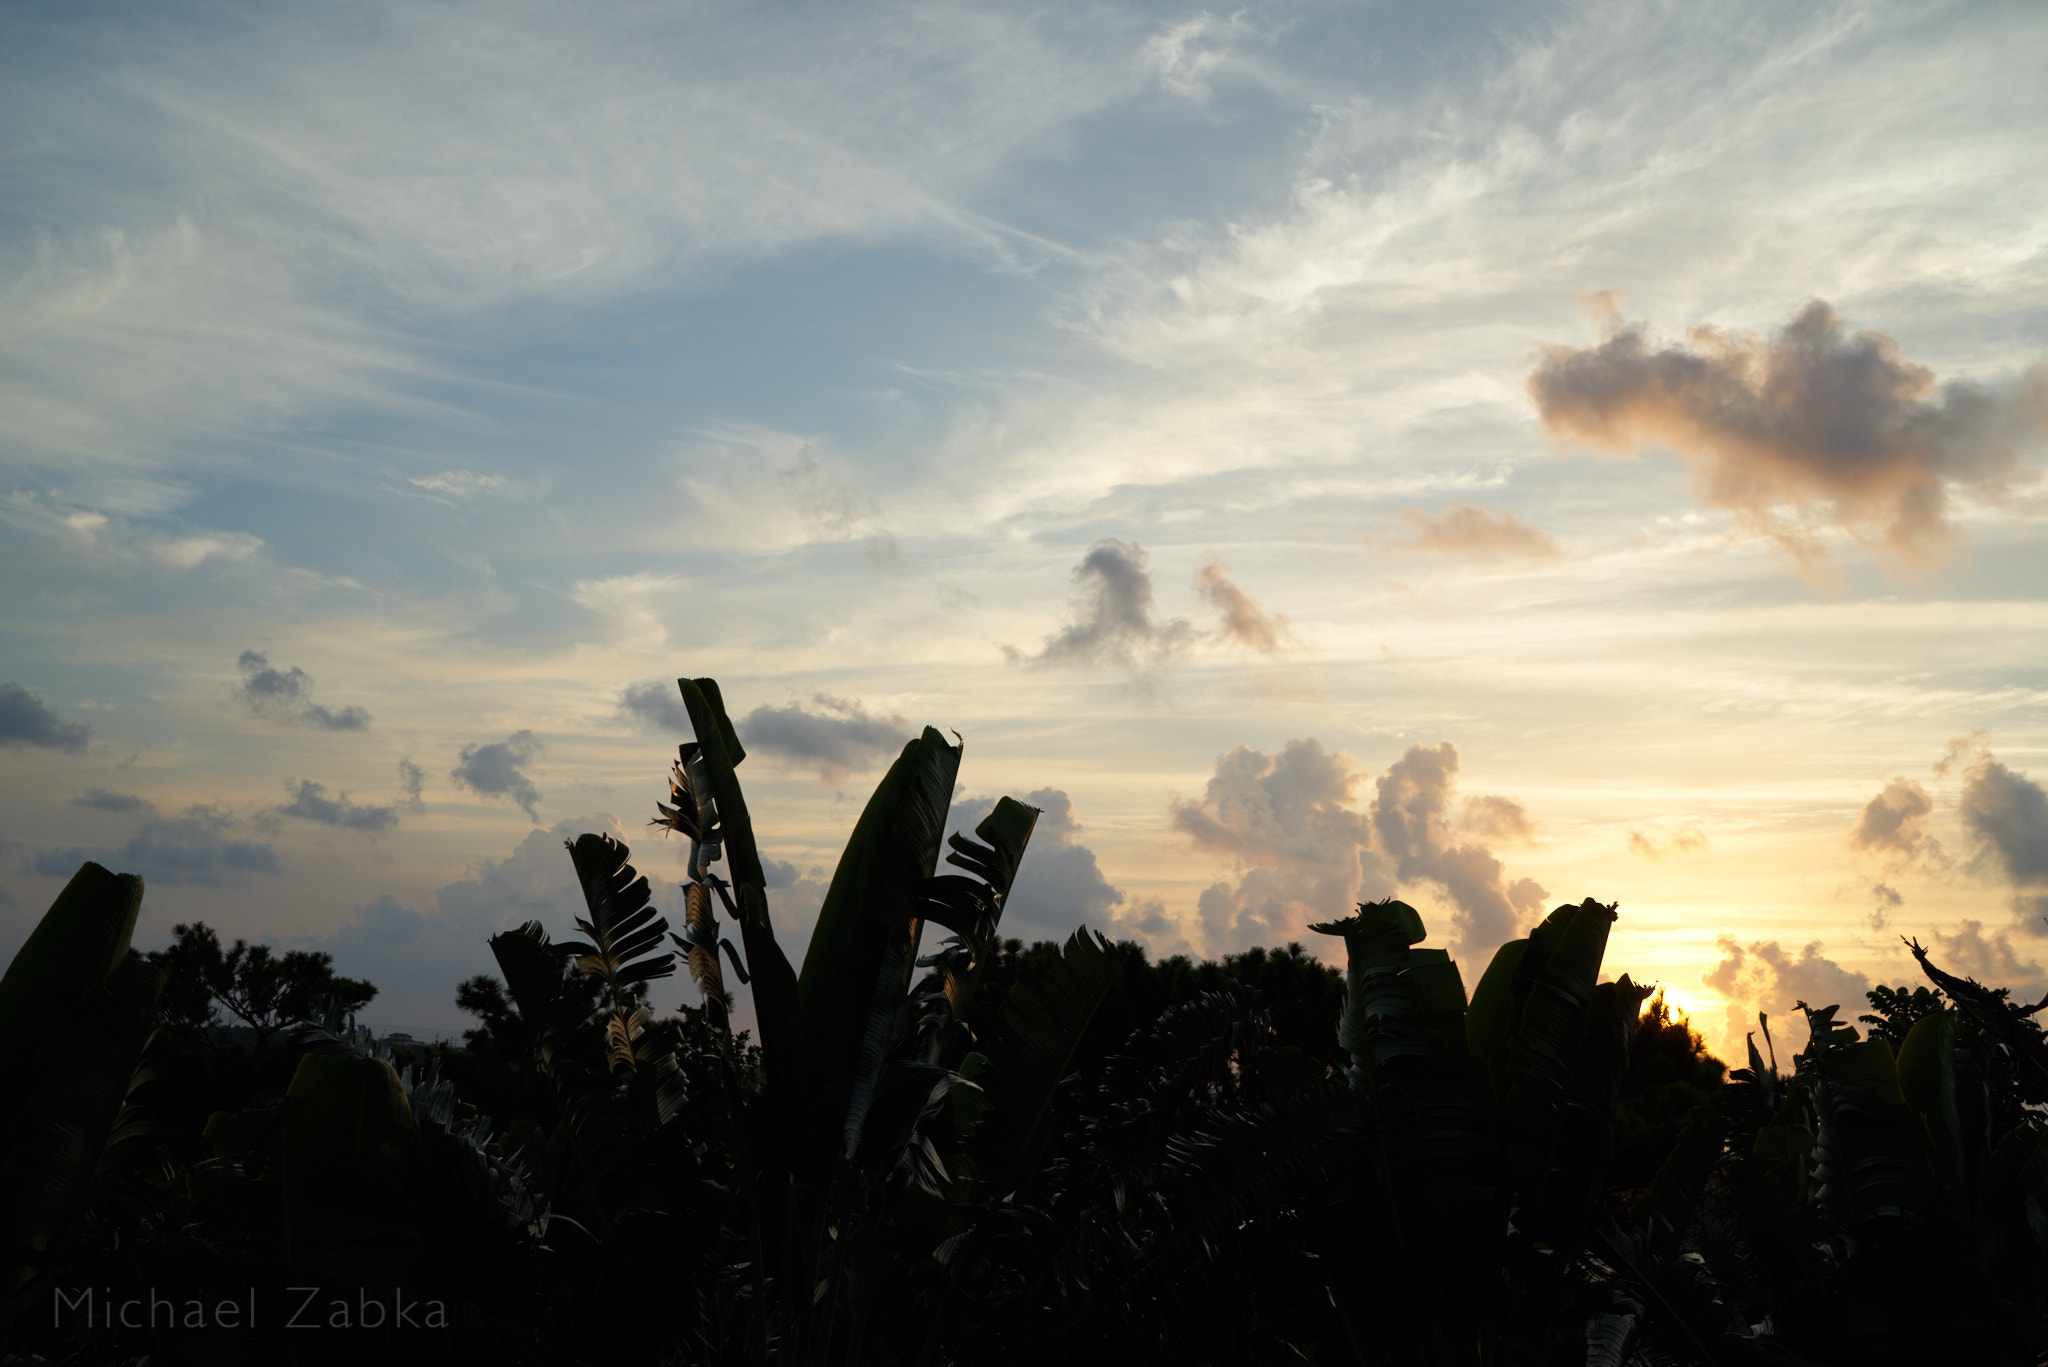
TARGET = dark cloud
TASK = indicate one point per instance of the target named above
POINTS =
(1894, 823)
(409, 781)
(1059, 885)
(311, 803)
(121, 804)
(2007, 814)
(1408, 816)
(204, 844)
(1113, 622)
(1687, 839)
(837, 735)
(26, 719)
(1242, 621)
(1765, 978)
(659, 704)
(286, 695)
(1806, 430)
(498, 770)
(1464, 529)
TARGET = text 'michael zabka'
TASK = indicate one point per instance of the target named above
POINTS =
(96, 1308)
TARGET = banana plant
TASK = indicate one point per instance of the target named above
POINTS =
(77, 1009)
(884, 1114)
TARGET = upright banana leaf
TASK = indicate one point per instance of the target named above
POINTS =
(67, 1113)
(864, 946)
(1559, 1212)
(1555, 983)
(1927, 1078)
(1433, 1117)
(79, 941)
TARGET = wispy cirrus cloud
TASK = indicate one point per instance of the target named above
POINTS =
(1466, 530)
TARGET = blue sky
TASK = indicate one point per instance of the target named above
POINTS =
(1213, 415)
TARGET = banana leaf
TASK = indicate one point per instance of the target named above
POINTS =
(1927, 1079)
(1489, 1022)
(864, 946)
(1555, 982)
(79, 941)
(67, 1110)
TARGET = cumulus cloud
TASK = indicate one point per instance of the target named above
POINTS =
(311, 803)
(1241, 620)
(1686, 839)
(26, 719)
(657, 703)
(1807, 430)
(1059, 885)
(1304, 853)
(1497, 818)
(1409, 817)
(410, 780)
(1894, 824)
(1992, 961)
(1285, 821)
(1112, 616)
(121, 804)
(2006, 813)
(287, 695)
(1464, 529)
(204, 844)
(837, 735)
(1763, 977)
(498, 770)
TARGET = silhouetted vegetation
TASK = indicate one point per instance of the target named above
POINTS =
(947, 1147)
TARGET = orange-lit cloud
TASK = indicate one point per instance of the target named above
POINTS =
(1305, 854)
(1243, 622)
(1807, 430)
(1685, 840)
(1894, 823)
(1464, 529)
(1763, 977)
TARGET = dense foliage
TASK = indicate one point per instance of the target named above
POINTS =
(976, 1151)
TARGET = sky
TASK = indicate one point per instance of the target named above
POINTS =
(1492, 455)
